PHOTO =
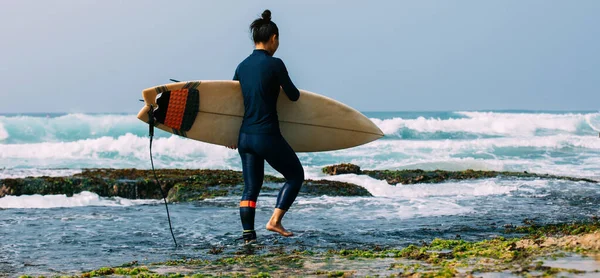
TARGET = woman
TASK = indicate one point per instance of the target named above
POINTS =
(261, 76)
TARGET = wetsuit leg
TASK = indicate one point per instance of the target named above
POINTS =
(253, 173)
(283, 159)
(254, 149)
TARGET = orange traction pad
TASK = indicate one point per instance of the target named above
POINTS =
(246, 204)
(176, 108)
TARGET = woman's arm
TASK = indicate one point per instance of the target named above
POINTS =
(284, 80)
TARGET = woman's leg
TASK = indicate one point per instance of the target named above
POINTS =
(284, 160)
(253, 173)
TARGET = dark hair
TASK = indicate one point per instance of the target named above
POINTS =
(263, 28)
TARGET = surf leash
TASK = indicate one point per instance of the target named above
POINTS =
(151, 133)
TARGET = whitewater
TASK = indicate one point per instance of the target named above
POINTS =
(555, 143)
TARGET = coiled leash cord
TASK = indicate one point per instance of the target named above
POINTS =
(151, 133)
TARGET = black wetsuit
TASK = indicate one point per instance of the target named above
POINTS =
(261, 76)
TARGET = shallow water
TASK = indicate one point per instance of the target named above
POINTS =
(115, 231)
(588, 264)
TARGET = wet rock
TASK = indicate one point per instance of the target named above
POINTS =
(4, 190)
(178, 184)
(345, 168)
(420, 176)
(325, 187)
(132, 189)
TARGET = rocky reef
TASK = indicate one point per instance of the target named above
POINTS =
(437, 176)
(179, 185)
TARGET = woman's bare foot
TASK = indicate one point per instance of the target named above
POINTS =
(278, 228)
(274, 224)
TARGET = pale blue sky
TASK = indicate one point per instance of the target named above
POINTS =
(97, 56)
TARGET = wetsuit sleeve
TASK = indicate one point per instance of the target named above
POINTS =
(235, 76)
(285, 82)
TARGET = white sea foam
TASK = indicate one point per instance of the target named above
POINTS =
(23, 173)
(491, 123)
(593, 120)
(413, 200)
(176, 152)
(3, 133)
(448, 147)
(82, 199)
(381, 207)
(70, 127)
(173, 151)
(461, 189)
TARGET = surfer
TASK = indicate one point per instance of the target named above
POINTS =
(261, 76)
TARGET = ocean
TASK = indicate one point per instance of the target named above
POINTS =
(59, 234)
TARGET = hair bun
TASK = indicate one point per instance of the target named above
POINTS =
(266, 15)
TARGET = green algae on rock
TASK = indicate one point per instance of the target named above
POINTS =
(559, 229)
(421, 176)
(518, 256)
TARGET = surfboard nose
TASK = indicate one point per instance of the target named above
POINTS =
(373, 129)
(366, 125)
(377, 130)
